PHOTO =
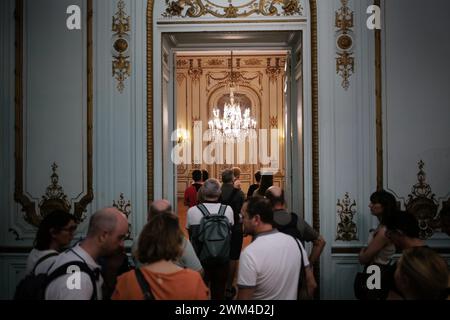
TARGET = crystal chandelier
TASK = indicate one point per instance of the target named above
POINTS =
(233, 124)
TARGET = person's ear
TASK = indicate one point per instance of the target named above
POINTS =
(53, 232)
(103, 236)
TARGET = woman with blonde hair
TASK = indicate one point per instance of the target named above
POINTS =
(422, 274)
(159, 245)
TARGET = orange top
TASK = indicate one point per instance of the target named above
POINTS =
(185, 284)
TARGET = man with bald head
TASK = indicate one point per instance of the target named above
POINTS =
(188, 257)
(106, 234)
(291, 223)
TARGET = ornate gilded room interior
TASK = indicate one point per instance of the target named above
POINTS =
(352, 94)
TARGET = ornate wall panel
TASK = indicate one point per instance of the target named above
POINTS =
(53, 111)
(415, 109)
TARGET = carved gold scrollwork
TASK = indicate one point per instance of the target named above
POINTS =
(273, 71)
(422, 204)
(252, 62)
(273, 120)
(345, 62)
(346, 228)
(199, 8)
(215, 62)
(195, 72)
(54, 197)
(125, 207)
(121, 65)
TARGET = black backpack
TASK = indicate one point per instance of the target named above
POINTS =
(290, 228)
(33, 286)
(214, 237)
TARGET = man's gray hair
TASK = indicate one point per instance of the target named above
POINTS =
(210, 190)
(102, 220)
(227, 176)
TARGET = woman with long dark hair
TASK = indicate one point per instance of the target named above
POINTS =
(379, 248)
(54, 234)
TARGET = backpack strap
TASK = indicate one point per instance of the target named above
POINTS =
(145, 287)
(222, 209)
(42, 259)
(203, 209)
(62, 270)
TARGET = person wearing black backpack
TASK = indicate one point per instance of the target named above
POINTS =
(209, 225)
(292, 224)
(234, 198)
(75, 274)
(55, 233)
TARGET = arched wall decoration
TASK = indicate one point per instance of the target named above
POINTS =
(314, 110)
(29, 206)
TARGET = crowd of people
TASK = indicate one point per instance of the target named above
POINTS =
(210, 263)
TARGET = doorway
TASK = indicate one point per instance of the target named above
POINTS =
(194, 81)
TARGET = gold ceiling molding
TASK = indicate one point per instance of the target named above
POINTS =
(125, 207)
(181, 63)
(28, 206)
(121, 65)
(423, 205)
(216, 62)
(199, 8)
(346, 228)
(252, 62)
(54, 197)
(345, 61)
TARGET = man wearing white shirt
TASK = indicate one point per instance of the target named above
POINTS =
(106, 234)
(269, 267)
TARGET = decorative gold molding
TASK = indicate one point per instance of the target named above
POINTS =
(345, 61)
(273, 122)
(199, 8)
(121, 65)
(273, 71)
(180, 78)
(195, 72)
(216, 62)
(346, 228)
(54, 197)
(252, 62)
(28, 206)
(125, 207)
(422, 204)
(379, 107)
(292, 21)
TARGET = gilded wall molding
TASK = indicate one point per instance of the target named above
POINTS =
(199, 8)
(422, 204)
(273, 71)
(195, 72)
(121, 65)
(345, 61)
(124, 206)
(29, 206)
(346, 227)
(54, 197)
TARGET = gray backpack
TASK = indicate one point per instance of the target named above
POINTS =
(214, 237)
